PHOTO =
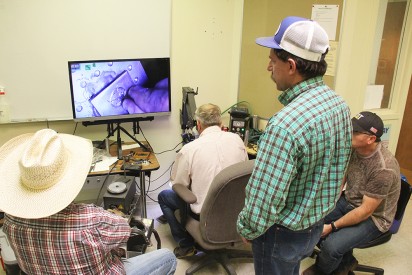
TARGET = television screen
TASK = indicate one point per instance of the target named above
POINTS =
(120, 89)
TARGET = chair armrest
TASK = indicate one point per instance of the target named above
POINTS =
(184, 193)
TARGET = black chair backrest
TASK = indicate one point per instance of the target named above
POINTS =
(404, 196)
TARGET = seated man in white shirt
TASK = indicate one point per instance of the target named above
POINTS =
(195, 166)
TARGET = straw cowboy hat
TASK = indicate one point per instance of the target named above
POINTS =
(42, 173)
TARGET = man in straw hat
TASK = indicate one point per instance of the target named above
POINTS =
(302, 154)
(41, 174)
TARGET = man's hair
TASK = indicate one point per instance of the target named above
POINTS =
(306, 68)
(209, 115)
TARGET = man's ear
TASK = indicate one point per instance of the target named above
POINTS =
(198, 125)
(292, 65)
(371, 139)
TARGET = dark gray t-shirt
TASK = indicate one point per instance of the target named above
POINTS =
(376, 176)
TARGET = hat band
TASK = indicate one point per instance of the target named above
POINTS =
(302, 53)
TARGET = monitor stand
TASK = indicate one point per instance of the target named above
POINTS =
(113, 126)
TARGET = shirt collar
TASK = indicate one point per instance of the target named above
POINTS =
(210, 129)
(290, 94)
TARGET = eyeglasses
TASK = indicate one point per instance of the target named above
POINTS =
(359, 133)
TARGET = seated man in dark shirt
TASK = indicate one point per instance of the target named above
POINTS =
(367, 207)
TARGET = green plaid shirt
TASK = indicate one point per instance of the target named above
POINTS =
(301, 161)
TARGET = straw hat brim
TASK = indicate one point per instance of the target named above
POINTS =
(19, 201)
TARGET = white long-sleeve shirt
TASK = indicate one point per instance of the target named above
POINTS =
(198, 162)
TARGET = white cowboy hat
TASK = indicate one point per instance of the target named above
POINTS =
(42, 173)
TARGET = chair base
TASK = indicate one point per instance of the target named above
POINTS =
(359, 267)
(370, 269)
(222, 257)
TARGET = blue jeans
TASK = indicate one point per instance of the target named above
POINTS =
(157, 262)
(169, 202)
(341, 243)
(279, 250)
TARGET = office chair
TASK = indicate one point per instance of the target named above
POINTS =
(215, 231)
(404, 197)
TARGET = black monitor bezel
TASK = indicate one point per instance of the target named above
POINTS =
(117, 118)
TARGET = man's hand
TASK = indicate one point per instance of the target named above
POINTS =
(141, 99)
(244, 240)
(117, 212)
(327, 229)
(120, 251)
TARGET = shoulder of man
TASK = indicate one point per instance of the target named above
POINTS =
(389, 158)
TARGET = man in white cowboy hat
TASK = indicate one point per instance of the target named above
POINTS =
(41, 174)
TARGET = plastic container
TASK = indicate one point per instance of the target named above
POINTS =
(7, 253)
(4, 107)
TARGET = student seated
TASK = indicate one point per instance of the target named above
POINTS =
(195, 166)
(367, 207)
(41, 174)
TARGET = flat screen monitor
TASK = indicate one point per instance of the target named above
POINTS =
(119, 89)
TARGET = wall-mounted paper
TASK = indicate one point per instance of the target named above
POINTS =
(327, 17)
(331, 58)
(373, 97)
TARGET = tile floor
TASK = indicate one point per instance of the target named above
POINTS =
(394, 256)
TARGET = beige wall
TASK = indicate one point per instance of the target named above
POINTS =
(354, 57)
(205, 51)
(255, 84)
(355, 60)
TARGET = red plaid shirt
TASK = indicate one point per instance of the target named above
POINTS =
(80, 239)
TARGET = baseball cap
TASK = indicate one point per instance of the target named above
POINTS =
(368, 122)
(299, 36)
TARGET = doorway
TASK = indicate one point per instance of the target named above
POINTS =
(404, 148)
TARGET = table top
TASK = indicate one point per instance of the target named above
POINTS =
(148, 160)
(251, 149)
